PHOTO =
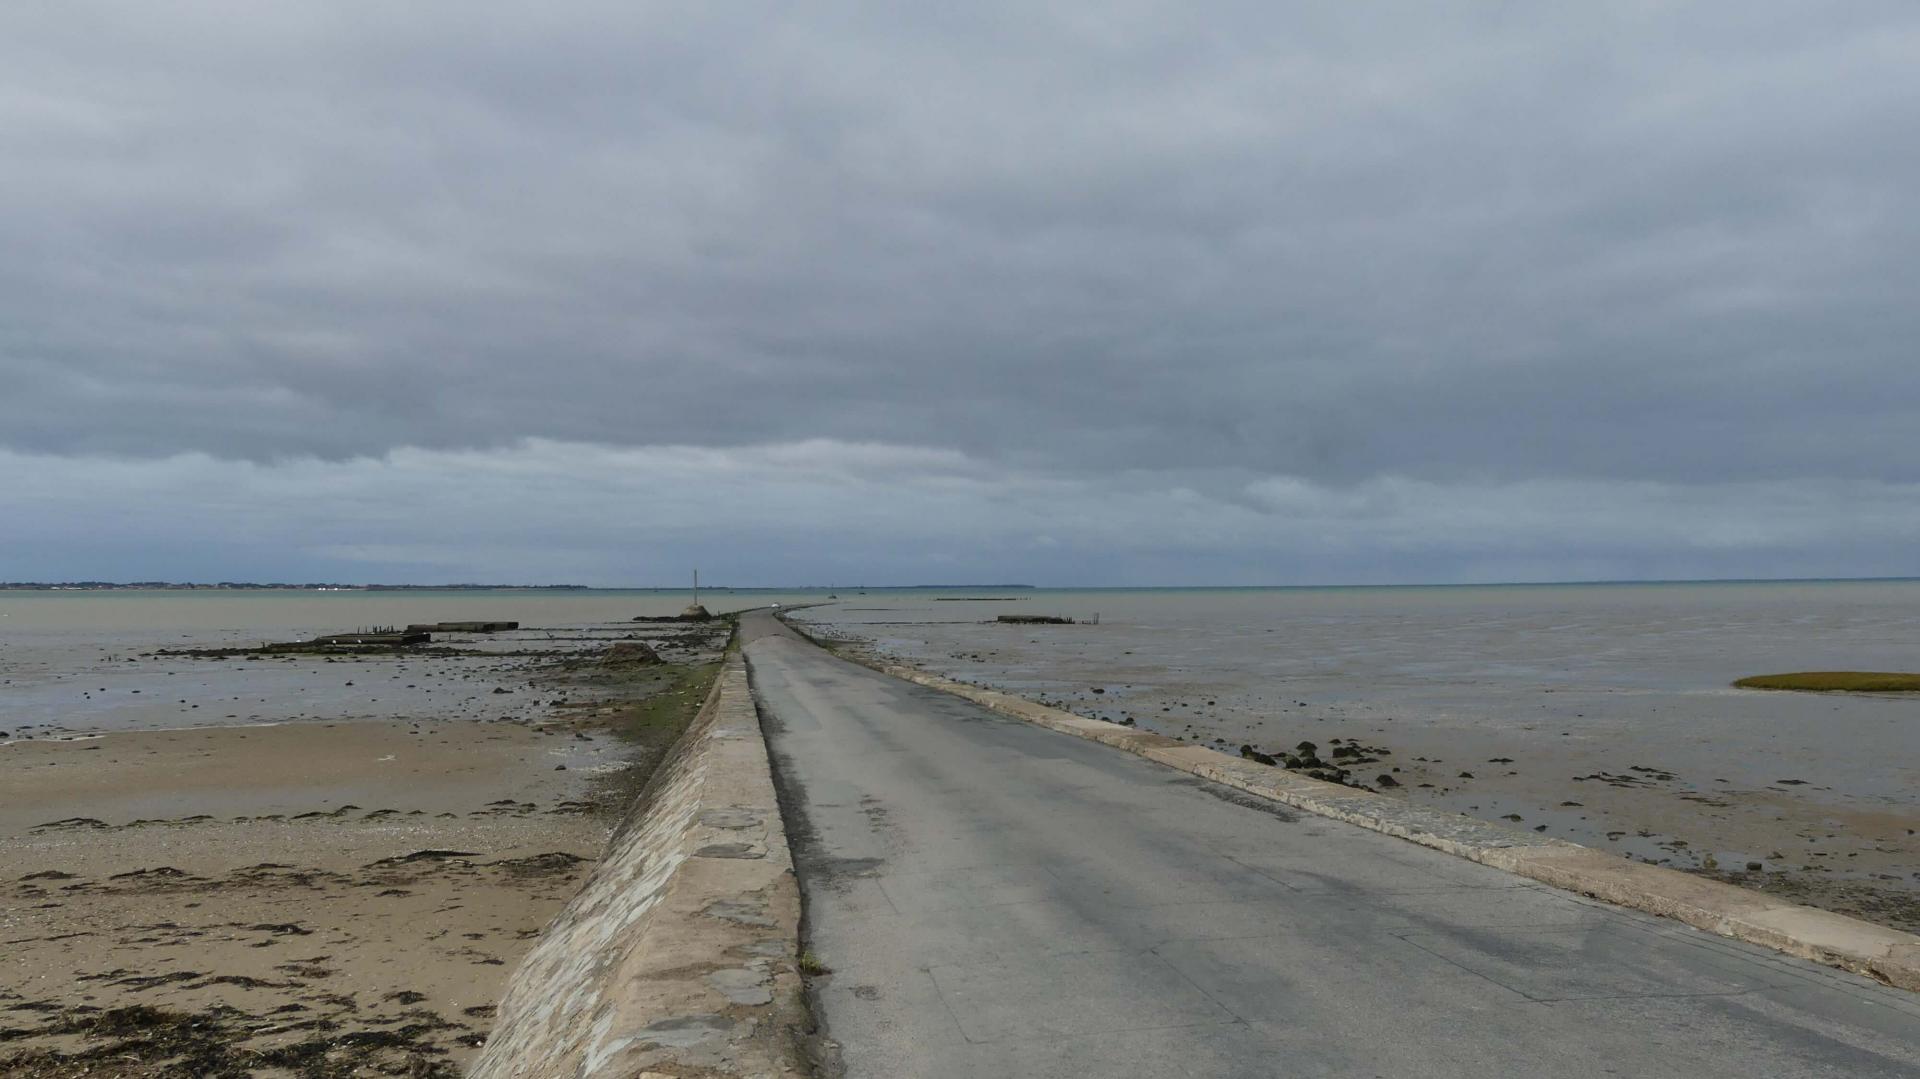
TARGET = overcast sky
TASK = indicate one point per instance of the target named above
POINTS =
(1105, 293)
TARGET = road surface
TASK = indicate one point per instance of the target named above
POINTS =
(1000, 900)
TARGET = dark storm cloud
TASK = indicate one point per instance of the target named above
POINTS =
(1638, 241)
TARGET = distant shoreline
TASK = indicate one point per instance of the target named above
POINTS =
(247, 586)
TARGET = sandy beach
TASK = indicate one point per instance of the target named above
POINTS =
(312, 898)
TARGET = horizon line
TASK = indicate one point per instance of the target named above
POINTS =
(241, 586)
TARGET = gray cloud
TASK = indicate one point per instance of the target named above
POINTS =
(835, 512)
(1479, 248)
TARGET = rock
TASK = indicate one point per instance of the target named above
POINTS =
(73, 822)
(630, 654)
(1754, 867)
(1386, 781)
(429, 855)
(1466, 775)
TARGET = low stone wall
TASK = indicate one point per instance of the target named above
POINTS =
(678, 956)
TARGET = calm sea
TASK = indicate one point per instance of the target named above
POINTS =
(1635, 669)
(1612, 673)
(76, 663)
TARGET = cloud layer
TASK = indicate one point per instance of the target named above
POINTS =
(1460, 291)
(824, 512)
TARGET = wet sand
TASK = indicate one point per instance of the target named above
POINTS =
(307, 898)
(277, 872)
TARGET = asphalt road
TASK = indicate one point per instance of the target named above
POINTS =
(999, 900)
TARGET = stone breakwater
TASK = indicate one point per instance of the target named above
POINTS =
(679, 953)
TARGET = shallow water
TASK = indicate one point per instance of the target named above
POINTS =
(1566, 680)
(1628, 664)
(76, 663)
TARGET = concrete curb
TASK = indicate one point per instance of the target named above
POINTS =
(678, 956)
(1886, 955)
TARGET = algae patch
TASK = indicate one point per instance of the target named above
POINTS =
(1836, 682)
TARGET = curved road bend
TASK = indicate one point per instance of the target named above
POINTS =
(1000, 900)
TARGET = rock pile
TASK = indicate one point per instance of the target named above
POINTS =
(630, 654)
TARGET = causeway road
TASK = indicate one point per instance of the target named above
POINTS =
(998, 899)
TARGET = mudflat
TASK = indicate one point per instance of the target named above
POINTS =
(1604, 715)
(309, 898)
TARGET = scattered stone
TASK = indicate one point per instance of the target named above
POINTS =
(73, 822)
(282, 929)
(630, 654)
(424, 856)
(165, 872)
(555, 861)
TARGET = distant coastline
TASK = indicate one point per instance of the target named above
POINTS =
(251, 586)
(246, 586)
(279, 586)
